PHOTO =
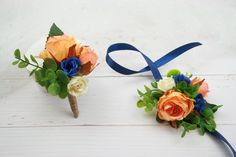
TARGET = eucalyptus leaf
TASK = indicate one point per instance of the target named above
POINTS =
(148, 89)
(207, 112)
(156, 94)
(62, 77)
(63, 91)
(51, 75)
(140, 104)
(50, 64)
(154, 84)
(54, 89)
(140, 93)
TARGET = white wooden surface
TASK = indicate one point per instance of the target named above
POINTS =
(35, 124)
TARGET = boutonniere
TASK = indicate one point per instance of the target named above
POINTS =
(178, 98)
(66, 63)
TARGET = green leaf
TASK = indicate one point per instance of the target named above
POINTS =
(183, 133)
(201, 130)
(62, 77)
(154, 84)
(140, 93)
(63, 91)
(156, 94)
(149, 107)
(50, 64)
(149, 91)
(195, 120)
(216, 107)
(192, 127)
(173, 72)
(32, 72)
(188, 126)
(207, 112)
(33, 59)
(26, 59)
(189, 90)
(55, 31)
(15, 62)
(147, 99)
(39, 75)
(140, 104)
(54, 89)
(22, 64)
(51, 75)
(17, 54)
(213, 107)
(182, 85)
(159, 120)
(210, 128)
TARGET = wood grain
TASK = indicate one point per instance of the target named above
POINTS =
(109, 141)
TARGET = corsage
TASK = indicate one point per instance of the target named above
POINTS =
(178, 98)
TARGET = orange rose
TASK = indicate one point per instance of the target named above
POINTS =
(174, 105)
(58, 47)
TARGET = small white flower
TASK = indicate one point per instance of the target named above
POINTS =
(166, 83)
(77, 86)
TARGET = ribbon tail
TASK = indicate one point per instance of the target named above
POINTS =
(175, 53)
(221, 138)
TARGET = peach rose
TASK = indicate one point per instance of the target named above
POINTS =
(203, 89)
(87, 58)
(58, 47)
(174, 105)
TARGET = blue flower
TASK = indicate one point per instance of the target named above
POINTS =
(71, 66)
(181, 77)
(199, 103)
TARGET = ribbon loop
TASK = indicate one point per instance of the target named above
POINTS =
(152, 66)
(120, 69)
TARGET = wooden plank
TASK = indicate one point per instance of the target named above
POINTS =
(109, 101)
(109, 141)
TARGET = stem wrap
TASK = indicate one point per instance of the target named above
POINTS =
(73, 105)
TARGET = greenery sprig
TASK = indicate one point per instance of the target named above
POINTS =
(24, 62)
(205, 120)
(149, 98)
(48, 76)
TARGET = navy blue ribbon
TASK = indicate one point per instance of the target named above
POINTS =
(153, 67)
